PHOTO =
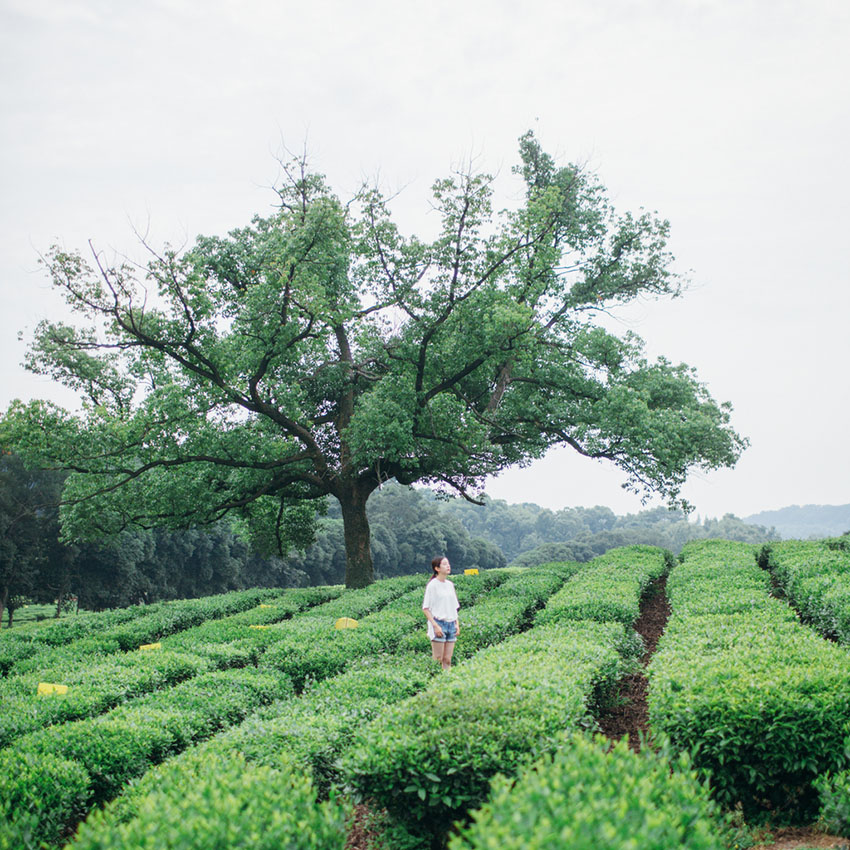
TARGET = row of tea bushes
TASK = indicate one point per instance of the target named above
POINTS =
(428, 760)
(228, 802)
(121, 629)
(308, 733)
(303, 736)
(311, 650)
(589, 795)
(92, 689)
(610, 587)
(53, 776)
(98, 683)
(139, 733)
(760, 700)
(815, 577)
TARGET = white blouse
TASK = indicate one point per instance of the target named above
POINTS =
(441, 599)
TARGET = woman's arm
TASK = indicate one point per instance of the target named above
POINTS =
(438, 632)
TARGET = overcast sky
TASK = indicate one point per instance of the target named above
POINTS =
(731, 118)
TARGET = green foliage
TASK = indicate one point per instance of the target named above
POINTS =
(761, 701)
(834, 790)
(319, 352)
(92, 688)
(815, 576)
(40, 793)
(430, 758)
(224, 801)
(314, 649)
(589, 795)
(608, 588)
(115, 747)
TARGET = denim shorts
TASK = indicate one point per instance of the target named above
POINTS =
(449, 628)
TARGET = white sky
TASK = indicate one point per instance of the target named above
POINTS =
(731, 118)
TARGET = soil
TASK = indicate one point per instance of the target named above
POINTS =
(796, 838)
(628, 714)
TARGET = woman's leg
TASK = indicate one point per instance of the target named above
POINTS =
(448, 649)
(437, 647)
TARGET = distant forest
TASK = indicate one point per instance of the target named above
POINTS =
(409, 526)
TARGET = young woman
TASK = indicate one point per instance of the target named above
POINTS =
(440, 606)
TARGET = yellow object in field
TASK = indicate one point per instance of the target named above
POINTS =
(252, 626)
(151, 646)
(263, 605)
(472, 572)
(50, 688)
(345, 623)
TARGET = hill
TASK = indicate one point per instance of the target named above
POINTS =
(808, 521)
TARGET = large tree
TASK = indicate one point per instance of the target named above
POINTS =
(320, 352)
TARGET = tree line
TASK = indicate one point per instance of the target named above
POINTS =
(408, 527)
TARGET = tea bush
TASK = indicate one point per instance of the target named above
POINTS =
(609, 587)
(586, 796)
(761, 701)
(815, 576)
(834, 790)
(91, 689)
(429, 758)
(225, 802)
(122, 744)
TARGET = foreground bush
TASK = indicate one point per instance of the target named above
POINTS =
(430, 758)
(227, 802)
(107, 751)
(586, 797)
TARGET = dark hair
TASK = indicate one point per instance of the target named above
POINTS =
(435, 563)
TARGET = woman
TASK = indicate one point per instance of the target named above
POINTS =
(440, 606)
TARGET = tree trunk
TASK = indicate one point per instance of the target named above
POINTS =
(4, 596)
(358, 549)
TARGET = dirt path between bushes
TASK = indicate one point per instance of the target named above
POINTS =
(628, 716)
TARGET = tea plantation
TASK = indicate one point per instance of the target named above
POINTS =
(250, 720)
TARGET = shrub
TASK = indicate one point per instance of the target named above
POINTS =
(585, 796)
(815, 576)
(761, 701)
(115, 747)
(40, 794)
(228, 802)
(609, 587)
(429, 758)
(92, 689)
(310, 731)
(834, 790)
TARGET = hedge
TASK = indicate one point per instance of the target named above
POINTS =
(760, 700)
(91, 690)
(609, 587)
(98, 683)
(224, 802)
(142, 627)
(430, 758)
(318, 726)
(115, 747)
(815, 576)
(314, 649)
(590, 795)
